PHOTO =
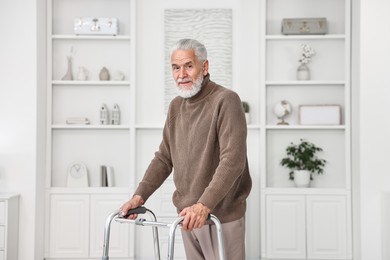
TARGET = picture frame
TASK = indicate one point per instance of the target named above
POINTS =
(320, 114)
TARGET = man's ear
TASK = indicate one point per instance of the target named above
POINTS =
(205, 67)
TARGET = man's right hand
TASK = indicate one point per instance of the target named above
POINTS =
(135, 202)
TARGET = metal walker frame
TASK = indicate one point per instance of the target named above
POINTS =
(116, 215)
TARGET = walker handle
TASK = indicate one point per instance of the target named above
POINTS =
(139, 210)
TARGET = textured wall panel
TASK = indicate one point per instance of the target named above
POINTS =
(213, 28)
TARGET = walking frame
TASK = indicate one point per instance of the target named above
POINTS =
(116, 215)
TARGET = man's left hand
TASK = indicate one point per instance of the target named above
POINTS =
(194, 216)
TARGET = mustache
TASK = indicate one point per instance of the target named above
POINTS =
(184, 80)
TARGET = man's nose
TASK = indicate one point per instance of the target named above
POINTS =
(182, 72)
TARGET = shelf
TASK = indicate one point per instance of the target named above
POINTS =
(90, 83)
(308, 191)
(305, 127)
(90, 37)
(305, 83)
(279, 37)
(95, 127)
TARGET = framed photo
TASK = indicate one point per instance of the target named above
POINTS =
(320, 114)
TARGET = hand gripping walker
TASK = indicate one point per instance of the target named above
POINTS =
(155, 225)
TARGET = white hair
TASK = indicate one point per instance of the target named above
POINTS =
(191, 44)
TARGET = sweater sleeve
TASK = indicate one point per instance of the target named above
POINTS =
(158, 170)
(232, 133)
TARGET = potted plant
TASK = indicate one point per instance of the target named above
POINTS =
(302, 161)
(245, 106)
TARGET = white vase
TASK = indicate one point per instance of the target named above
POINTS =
(68, 75)
(303, 72)
(302, 178)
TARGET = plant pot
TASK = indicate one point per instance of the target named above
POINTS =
(302, 178)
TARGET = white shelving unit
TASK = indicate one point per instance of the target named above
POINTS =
(293, 219)
(76, 216)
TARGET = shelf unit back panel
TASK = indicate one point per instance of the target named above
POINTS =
(303, 95)
(283, 57)
(86, 101)
(93, 148)
(64, 12)
(331, 141)
(333, 10)
(93, 55)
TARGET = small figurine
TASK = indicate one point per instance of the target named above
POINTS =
(103, 115)
(104, 74)
(115, 115)
(118, 76)
(82, 74)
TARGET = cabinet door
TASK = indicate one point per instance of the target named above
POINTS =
(285, 227)
(69, 225)
(326, 227)
(101, 207)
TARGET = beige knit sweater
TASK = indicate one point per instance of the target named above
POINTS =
(204, 141)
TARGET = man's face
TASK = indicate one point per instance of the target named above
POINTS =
(186, 69)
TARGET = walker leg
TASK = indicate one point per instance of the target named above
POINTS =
(172, 231)
(171, 239)
(155, 236)
(107, 227)
(221, 246)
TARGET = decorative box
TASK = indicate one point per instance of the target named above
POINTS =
(304, 26)
(96, 26)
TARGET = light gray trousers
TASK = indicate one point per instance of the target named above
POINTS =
(203, 244)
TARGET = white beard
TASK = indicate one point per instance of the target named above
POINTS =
(196, 86)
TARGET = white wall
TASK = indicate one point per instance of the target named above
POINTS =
(19, 110)
(374, 123)
(18, 113)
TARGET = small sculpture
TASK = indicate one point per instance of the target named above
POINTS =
(104, 74)
(103, 115)
(282, 109)
(118, 75)
(115, 115)
(82, 74)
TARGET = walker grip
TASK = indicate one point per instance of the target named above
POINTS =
(139, 210)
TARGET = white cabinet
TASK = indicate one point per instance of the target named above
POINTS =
(285, 227)
(327, 227)
(69, 226)
(311, 223)
(307, 226)
(77, 226)
(76, 216)
(9, 226)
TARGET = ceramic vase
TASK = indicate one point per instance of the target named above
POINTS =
(303, 72)
(68, 75)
